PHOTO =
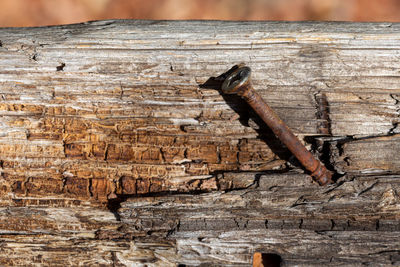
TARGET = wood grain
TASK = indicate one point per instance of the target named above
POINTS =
(116, 146)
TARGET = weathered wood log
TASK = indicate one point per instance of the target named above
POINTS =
(117, 147)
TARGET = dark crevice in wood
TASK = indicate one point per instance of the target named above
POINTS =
(350, 138)
(394, 129)
(174, 229)
(34, 57)
(255, 184)
(323, 151)
(60, 67)
(322, 106)
(367, 189)
(106, 152)
(90, 187)
(113, 205)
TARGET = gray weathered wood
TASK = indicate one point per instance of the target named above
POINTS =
(117, 148)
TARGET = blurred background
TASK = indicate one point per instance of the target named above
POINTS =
(18, 13)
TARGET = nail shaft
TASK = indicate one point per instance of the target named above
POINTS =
(238, 82)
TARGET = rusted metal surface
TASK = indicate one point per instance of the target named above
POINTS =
(238, 82)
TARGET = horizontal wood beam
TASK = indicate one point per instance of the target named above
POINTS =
(114, 135)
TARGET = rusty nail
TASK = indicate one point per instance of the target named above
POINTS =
(238, 82)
